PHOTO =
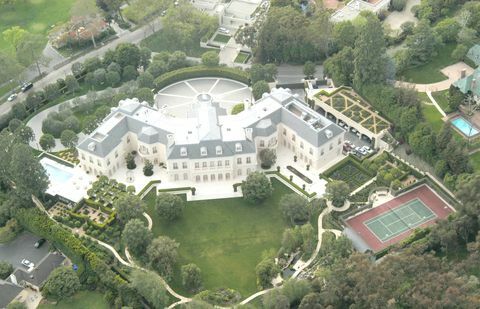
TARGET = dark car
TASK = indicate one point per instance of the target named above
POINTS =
(39, 243)
(26, 86)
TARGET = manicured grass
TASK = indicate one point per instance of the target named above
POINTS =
(242, 58)
(430, 72)
(442, 99)
(222, 38)
(36, 16)
(432, 116)
(225, 238)
(157, 43)
(475, 161)
(81, 300)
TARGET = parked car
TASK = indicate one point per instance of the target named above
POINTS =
(27, 263)
(223, 30)
(39, 243)
(12, 97)
(26, 87)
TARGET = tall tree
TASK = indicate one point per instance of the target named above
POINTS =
(191, 277)
(162, 254)
(370, 60)
(128, 207)
(136, 236)
(150, 286)
(340, 67)
(169, 206)
(10, 68)
(29, 50)
(62, 283)
(256, 188)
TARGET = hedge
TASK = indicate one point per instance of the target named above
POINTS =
(200, 71)
(285, 178)
(148, 186)
(175, 189)
(40, 224)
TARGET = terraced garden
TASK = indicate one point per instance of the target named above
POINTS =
(350, 172)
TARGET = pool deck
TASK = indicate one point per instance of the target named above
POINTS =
(424, 193)
(473, 129)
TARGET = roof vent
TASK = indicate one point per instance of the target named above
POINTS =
(91, 146)
(328, 133)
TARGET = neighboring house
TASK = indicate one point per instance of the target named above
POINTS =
(36, 277)
(470, 85)
(474, 54)
(354, 7)
(79, 30)
(211, 145)
(8, 292)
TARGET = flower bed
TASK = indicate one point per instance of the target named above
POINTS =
(298, 174)
(349, 171)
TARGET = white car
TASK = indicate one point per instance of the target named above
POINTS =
(12, 97)
(223, 30)
(27, 263)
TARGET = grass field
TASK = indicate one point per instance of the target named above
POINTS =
(442, 99)
(157, 43)
(81, 300)
(225, 238)
(241, 58)
(222, 38)
(36, 16)
(430, 72)
(432, 116)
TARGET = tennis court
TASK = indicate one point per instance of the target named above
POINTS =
(398, 220)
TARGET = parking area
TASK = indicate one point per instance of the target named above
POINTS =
(22, 247)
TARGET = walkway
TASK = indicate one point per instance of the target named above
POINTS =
(430, 96)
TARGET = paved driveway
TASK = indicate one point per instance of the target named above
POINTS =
(22, 248)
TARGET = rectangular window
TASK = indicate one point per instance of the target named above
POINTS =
(128, 139)
(310, 151)
(154, 149)
(204, 164)
(108, 162)
(294, 137)
(227, 163)
(90, 159)
(249, 160)
(262, 143)
(184, 165)
(239, 160)
(284, 131)
(339, 141)
(301, 145)
(99, 163)
(331, 146)
(116, 154)
(219, 163)
(212, 164)
(175, 177)
(175, 165)
(197, 165)
(185, 176)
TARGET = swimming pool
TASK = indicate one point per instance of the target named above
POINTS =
(465, 126)
(56, 174)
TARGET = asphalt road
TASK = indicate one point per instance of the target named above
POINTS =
(22, 248)
(125, 37)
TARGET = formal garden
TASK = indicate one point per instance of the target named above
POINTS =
(225, 238)
(350, 171)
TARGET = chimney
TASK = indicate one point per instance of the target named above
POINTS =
(463, 73)
(249, 133)
(170, 140)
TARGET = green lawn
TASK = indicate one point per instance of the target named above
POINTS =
(432, 116)
(81, 300)
(222, 38)
(241, 58)
(225, 238)
(442, 99)
(475, 161)
(36, 16)
(157, 43)
(430, 72)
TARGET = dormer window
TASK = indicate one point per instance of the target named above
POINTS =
(183, 151)
(203, 151)
(238, 147)
(218, 150)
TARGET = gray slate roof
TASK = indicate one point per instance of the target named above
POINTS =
(228, 149)
(8, 292)
(40, 273)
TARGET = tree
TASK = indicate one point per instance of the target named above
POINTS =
(24, 133)
(292, 239)
(128, 207)
(150, 286)
(72, 83)
(422, 44)
(422, 141)
(72, 123)
(68, 138)
(99, 77)
(294, 208)
(455, 98)
(340, 67)
(444, 136)
(169, 206)
(447, 29)
(256, 188)
(127, 54)
(268, 157)
(337, 191)
(112, 78)
(270, 72)
(275, 300)
(191, 277)
(129, 73)
(10, 67)
(16, 305)
(145, 80)
(177, 60)
(51, 92)
(29, 50)
(295, 290)
(398, 5)
(344, 34)
(459, 52)
(145, 94)
(136, 236)
(34, 182)
(210, 59)
(309, 69)
(257, 73)
(14, 36)
(5, 269)
(148, 168)
(162, 254)
(157, 68)
(369, 54)
(47, 142)
(259, 88)
(62, 283)
(266, 270)
(130, 161)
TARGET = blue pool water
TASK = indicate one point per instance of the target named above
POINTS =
(465, 126)
(57, 174)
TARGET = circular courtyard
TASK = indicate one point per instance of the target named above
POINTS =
(178, 99)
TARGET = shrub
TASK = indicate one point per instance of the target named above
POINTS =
(256, 188)
(398, 5)
(238, 108)
(220, 297)
(5, 269)
(268, 157)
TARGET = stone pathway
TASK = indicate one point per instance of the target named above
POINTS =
(434, 102)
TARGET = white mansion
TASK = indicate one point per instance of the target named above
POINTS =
(210, 145)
